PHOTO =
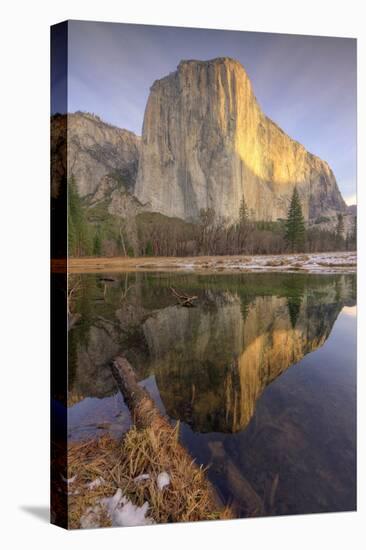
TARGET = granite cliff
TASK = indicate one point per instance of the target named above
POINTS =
(206, 144)
(97, 149)
(103, 161)
(101, 157)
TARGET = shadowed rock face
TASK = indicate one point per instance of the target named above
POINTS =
(206, 143)
(100, 156)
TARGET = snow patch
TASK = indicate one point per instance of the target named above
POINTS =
(325, 262)
(142, 477)
(120, 510)
(125, 514)
(70, 480)
(163, 480)
(90, 519)
(95, 483)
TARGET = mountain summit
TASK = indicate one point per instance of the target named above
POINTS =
(207, 144)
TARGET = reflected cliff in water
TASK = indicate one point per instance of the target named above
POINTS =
(261, 374)
(211, 362)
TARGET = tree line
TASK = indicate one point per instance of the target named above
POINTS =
(156, 235)
(215, 236)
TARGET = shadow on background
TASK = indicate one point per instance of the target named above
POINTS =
(40, 512)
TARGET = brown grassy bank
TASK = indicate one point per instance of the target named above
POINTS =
(322, 262)
(188, 497)
(134, 466)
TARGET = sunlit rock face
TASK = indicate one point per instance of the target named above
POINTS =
(212, 365)
(206, 144)
(269, 351)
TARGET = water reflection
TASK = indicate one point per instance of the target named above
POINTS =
(298, 453)
(209, 367)
(213, 361)
(212, 365)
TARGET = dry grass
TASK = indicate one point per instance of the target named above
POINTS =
(204, 264)
(189, 496)
(88, 461)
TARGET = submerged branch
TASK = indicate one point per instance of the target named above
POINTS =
(183, 299)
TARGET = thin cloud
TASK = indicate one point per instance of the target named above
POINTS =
(307, 85)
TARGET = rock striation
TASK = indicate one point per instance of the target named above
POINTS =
(100, 156)
(207, 144)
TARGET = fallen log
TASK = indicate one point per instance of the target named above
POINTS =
(142, 408)
(183, 298)
(189, 479)
(146, 416)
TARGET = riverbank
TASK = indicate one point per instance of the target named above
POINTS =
(147, 477)
(142, 480)
(327, 262)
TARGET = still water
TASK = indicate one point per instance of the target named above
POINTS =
(261, 374)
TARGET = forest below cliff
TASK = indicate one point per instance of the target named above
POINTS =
(97, 232)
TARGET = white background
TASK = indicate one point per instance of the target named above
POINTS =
(24, 219)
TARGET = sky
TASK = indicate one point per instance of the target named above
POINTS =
(306, 84)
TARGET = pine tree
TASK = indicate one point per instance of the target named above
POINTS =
(243, 213)
(78, 232)
(149, 250)
(295, 224)
(294, 305)
(354, 233)
(243, 226)
(71, 236)
(97, 245)
(340, 231)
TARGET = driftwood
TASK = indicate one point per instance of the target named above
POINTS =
(142, 407)
(146, 415)
(183, 298)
